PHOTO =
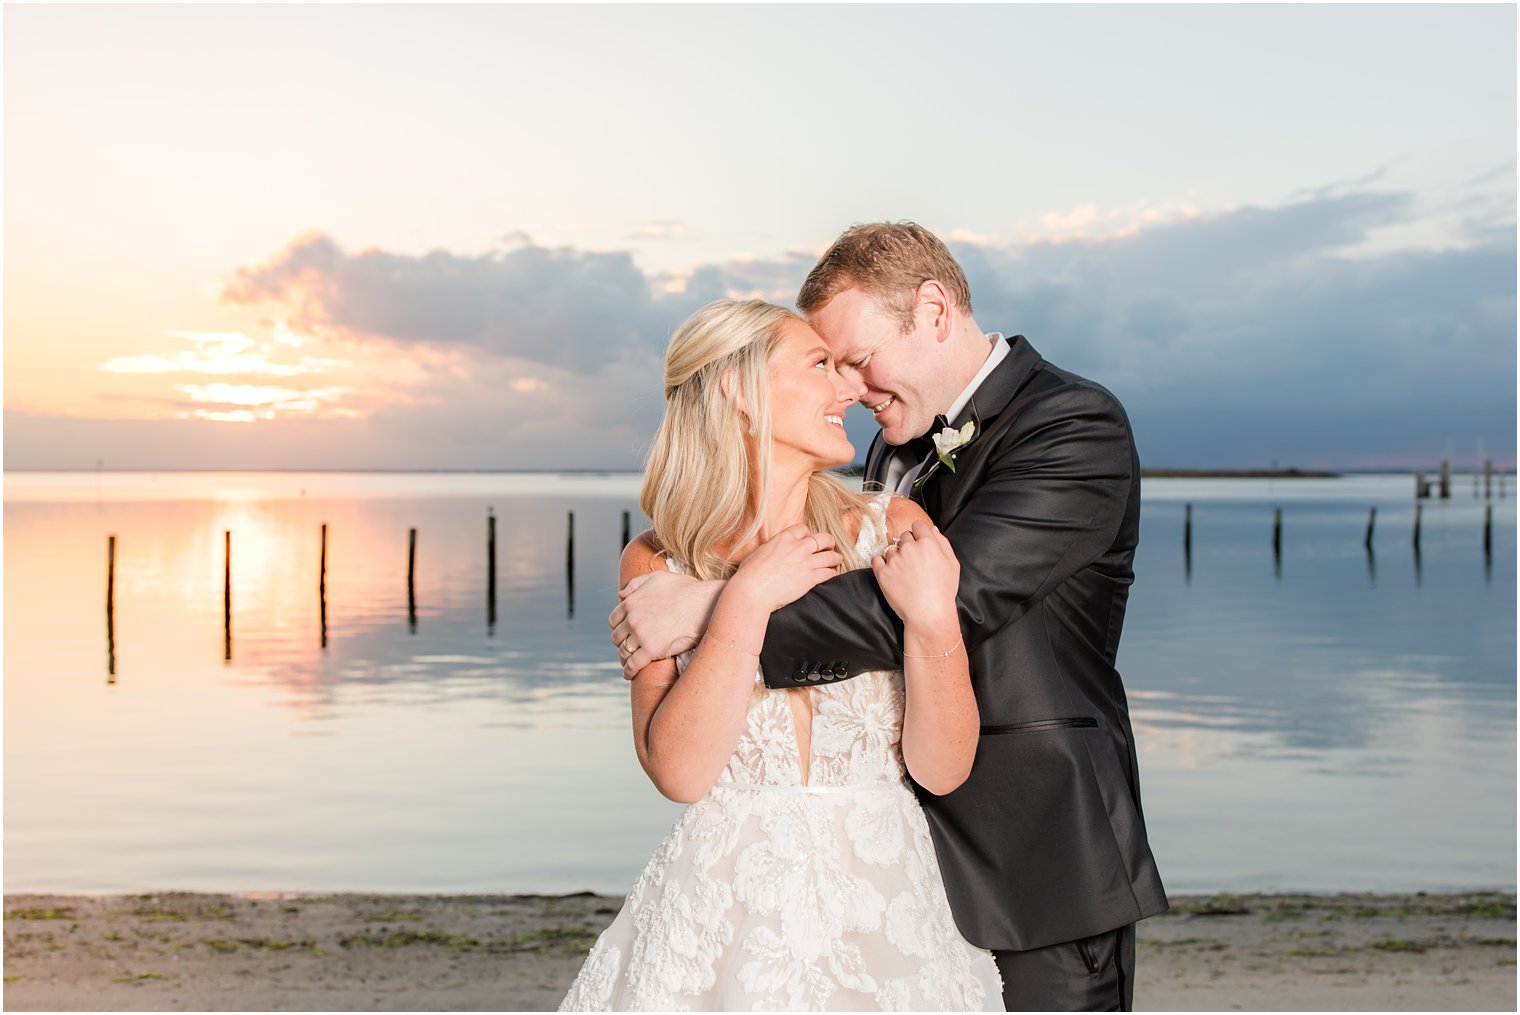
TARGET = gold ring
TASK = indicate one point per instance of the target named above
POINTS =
(817, 546)
(625, 644)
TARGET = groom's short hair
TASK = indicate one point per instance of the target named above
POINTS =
(889, 260)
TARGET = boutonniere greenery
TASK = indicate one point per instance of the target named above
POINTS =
(947, 442)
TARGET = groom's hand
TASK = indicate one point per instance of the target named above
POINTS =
(661, 615)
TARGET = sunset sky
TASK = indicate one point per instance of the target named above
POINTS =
(406, 237)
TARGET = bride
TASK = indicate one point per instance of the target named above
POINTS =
(802, 876)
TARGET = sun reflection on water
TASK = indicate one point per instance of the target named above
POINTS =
(1275, 717)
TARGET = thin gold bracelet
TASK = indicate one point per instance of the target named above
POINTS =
(729, 644)
(940, 655)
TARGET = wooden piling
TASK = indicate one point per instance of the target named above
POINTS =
(490, 572)
(1445, 479)
(111, 609)
(1371, 521)
(227, 596)
(1418, 509)
(322, 588)
(1277, 543)
(1187, 543)
(570, 563)
(1421, 487)
(625, 528)
(1488, 530)
(1488, 478)
(411, 580)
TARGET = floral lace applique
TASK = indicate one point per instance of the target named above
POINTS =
(770, 895)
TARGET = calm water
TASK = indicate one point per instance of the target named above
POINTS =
(1329, 723)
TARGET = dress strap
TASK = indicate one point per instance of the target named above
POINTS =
(873, 526)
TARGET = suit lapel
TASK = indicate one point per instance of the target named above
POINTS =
(987, 405)
(877, 457)
(994, 394)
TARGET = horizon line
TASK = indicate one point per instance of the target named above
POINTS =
(1184, 471)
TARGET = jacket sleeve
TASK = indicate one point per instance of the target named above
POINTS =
(1049, 501)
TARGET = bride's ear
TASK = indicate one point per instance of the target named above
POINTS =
(726, 385)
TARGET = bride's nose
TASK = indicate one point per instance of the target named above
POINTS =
(847, 393)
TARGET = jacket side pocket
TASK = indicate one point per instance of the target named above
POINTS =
(1036, 725)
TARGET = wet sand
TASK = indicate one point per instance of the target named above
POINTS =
(519, 952)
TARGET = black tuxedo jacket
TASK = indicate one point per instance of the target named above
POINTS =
(1045, 841)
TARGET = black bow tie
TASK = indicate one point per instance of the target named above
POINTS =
(920, 448)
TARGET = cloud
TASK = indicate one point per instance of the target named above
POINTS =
(1234, 336)
(1248, 336)
(1505, 171)
(569, 308)
(1341, 186)
(244, 403)
(1083, 222)
(661, 229)
(223, 353)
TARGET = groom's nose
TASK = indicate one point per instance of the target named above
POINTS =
(852, 378)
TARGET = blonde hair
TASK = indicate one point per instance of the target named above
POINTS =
(697, 479)
(889, 260)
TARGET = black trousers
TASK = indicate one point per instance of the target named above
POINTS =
(1094, 974)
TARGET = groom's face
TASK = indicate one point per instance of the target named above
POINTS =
(891, 371)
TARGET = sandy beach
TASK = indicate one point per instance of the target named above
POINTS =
(519, 952)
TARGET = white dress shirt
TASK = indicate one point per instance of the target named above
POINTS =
(900, 474)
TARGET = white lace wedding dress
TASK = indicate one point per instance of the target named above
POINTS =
(772, 894)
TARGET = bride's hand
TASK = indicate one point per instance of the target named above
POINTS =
(919, 575)
(785, 567)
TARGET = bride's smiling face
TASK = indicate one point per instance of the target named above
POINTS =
(808, 399)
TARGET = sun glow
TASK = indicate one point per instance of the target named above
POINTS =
(257, 401)
(238, 394)
(224, 353)
(243, 360)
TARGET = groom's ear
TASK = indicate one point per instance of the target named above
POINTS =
(932, 306)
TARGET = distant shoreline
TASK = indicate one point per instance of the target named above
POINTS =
(852, 470)
(1238, 474)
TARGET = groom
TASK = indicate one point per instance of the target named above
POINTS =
(1043, 848)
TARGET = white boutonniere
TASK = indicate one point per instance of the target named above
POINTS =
(946, 443)
(950, 440)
